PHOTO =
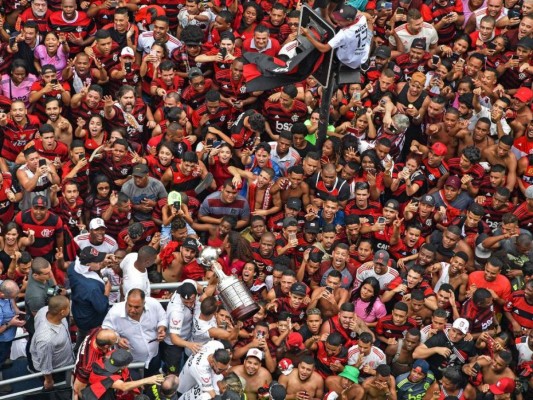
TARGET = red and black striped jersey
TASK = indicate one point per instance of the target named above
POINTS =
(275, 222)
(228, 87)
(7, 208)
(134, 129)
(388, 329)
(520, 309)
(60, 150)
(323, 360)
(185, 183)
(172, 9)
(81, 178)
(114, 170)
(476, 171)
(88, 354)
(278, 32)
(84, 112)
(372, 211)
(480, 319)
(108, 60)
(156, 168)
(514, 78)
(117, 222)
(45, 233)
(96, 206)
(16, 137)
(71, 216)
(175, 86)
(265, 264)
(281, 119)
(39, 105)
(433, 174)
(219, 119)
(81, 26)
(408, 68)
(193, 98)
(149, 229)
(132, 78)
(525, 217)
(434, 12)
(224, 65)
(6, 59)
(27, 15)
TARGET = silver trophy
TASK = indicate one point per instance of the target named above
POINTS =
(234, 294)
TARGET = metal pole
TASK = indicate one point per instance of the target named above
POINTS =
(325, 104)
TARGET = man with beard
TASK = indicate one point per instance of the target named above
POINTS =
(346, 384)
(414, 28)
(263, 198)
(303, 380)
(451, 201)
(520, 109)
(69, 207)
(400, 288)
(48, 147)
(122, 31)
(97, 238)
(400, 353)
(45, 88)
(494, 180)
(447, 348)
(486, 371)
(88, 98)
(26, 42)
(326, 183)
(448, 243)
(416, 59)
(18, 128)
(285, 112)
(478, 137)
(379, 61)
(38, 13)
(253, 373)
(160, 34)
(225, 202)
(184, 264)
(452, 273)
(77, 28)
(232, 87)
(62, 127)
(128, 112)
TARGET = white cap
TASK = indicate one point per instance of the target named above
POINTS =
(97, 223)
(462, 325)
(255, 353)
(127, 52)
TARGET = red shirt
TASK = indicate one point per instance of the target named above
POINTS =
(272, 49)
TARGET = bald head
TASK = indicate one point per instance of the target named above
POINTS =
(9, 289)
(106, 337)
(58, 304)
(170, 385)
(329, 168)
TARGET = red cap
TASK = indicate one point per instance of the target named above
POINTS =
(439, 149)
(295, 340)
(524, 94)
(504, 385)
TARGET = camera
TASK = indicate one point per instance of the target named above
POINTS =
(53, 291)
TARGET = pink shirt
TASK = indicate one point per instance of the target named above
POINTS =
(20, 92)
(59, 60)
(378, 310)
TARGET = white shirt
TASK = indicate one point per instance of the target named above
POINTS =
(525, 354)
(109, 245)
(198, 372)
(200, 329)
(285, 162)
(424, 332)
(138, 333)
(375, 358)
(353, 43)
(180, 317)
(132, 278)
(146, 40)
(428, 32)
(485, 112)
(367, 270)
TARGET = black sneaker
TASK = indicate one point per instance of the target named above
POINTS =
(204, 184)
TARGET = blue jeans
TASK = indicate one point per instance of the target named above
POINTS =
(5, 351)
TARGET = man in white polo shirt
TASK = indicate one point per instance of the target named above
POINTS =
(352, 41)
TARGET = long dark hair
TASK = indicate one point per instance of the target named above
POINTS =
(240, 247)
(375, 285)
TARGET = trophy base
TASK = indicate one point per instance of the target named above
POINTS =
(244, 312)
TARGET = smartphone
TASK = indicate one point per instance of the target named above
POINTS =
(382, 102)
(415, 201)
(382, 220)
(513, 13)
(491, 46)
(514, 57)
(223, 52)
(260, 335)
(449, 15)
(153, 53)
(54, 81)
(356, 95)
(371, 171)
(12, 41)
(114, 4)
(400, 11)
(292, 237)
(127, 67)
(177, 203)
(460, 61)
(42, 162)
(209, 142)
(435, 59)
(476, 367)
(21, 316)
(329, 289)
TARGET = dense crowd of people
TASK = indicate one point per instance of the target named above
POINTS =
(391, 258)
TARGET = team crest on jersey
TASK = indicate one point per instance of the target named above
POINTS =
(140, 117)
(295, 118)
(115, 57)
(242, 89)
(149, 238)
(420, 68)
(79, 29)
(222, 118)
(135, 78)
(101, 113)
(124, 171)
(521, 76)
(47, 233)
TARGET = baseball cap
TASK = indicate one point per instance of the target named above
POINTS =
(253, 352)
(453, 181)
(295, 340)
(289, 221)
(462, 325)
(381, 257)
(346, 13)
(383, 52)
(187, 290)
(380, 5)
(392, 204)
(529, 192)
(525, 42)
(194, 71)
(427, 199)
(350, 373)
(173, 197)
(504, 385)
(97, 223)
(439, 149)
(140, 170)
(524, 94)
(127, 52)
(190, 243)
(39, 201)
(118, 359)
(299, 289)
(311, 227)
(295, 203)
(90, 255)
(422, 364)
(419, 43)
(286, 366)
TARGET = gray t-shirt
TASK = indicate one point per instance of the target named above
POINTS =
(36, 298)
(154, 190)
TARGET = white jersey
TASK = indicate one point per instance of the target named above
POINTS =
(375, 358)
(180, 318)
(525, 354)
(444, 276)
(146, 40)
(200, 329)
(428, 33)
(198, 372)
(424, 332)
(109, 245)
(353, 43)
(132, 277)
(367, 270)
